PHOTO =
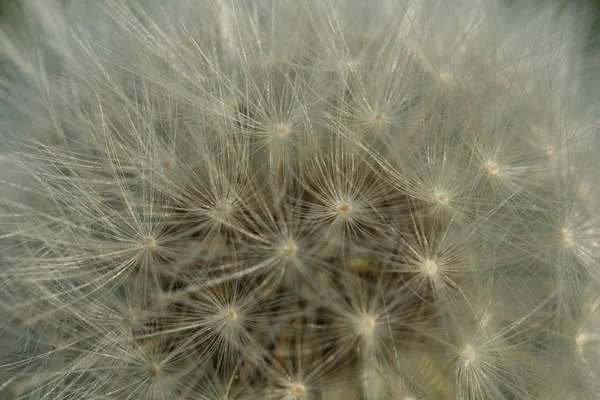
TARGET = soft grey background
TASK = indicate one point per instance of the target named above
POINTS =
(586, 6)
(593, 5)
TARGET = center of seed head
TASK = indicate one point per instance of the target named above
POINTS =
(492, 168)
(429, 267)
(583, 190)
(442, 198)
(155, 370)
(149, 242)
(231, 103)
(566, 235)
(231, 315)
(130, 320)
(344, 208)
(223, 209)
(378, 118)
(468, 354)
(283, 131)
(289, 248)
(169, 165)
(367, 325)
(580, 339)
(298, 390)
(448, 78)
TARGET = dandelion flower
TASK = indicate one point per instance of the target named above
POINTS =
(298, 200)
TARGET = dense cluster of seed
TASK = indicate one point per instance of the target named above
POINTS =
(229, 200)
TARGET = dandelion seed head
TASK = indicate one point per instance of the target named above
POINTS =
(378, 118)
(468, 355)
(427, 168)
(289, 248)
(297, 390)
(345, 208)
(448, 79)
(169, 164)
(155, 370)
(367, 325)
(429, 267)
(231, 315)
(149, 243)
(231, 103)
(566, 236)
(580, 339)
(223, 210)
(282, 131)
(442, 198)
(492, 168)
(583, 190)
